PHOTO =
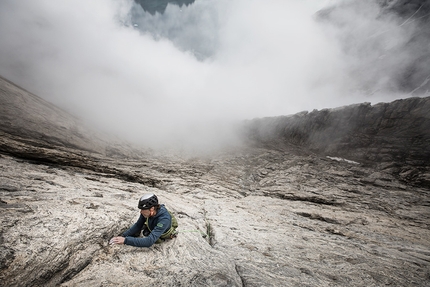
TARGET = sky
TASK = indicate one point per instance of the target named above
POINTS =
(183, 77)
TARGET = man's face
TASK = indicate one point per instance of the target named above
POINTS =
(146, 212)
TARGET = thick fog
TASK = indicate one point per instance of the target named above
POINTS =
(182, 77)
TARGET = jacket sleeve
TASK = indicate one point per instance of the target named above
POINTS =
(159, 229)
(137, 227)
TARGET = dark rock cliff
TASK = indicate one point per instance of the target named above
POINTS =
(153, 6)
(394, 135)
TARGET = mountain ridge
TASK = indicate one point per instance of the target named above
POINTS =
(394, 134)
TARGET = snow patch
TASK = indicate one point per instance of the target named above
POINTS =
(342, 160)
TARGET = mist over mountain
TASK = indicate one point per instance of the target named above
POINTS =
(183, 76)
(389, 41)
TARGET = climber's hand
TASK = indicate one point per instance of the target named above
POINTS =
(117, 240)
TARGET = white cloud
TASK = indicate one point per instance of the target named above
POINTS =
(194, 69)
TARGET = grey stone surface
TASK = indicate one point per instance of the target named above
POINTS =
(270, 214)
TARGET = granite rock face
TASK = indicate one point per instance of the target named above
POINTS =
(278, 212)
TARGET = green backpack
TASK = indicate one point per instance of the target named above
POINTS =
(170, 233)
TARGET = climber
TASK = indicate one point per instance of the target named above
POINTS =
(155, 221)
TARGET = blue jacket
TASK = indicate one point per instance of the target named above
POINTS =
(158, 225)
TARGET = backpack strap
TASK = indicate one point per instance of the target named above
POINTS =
(171, 232)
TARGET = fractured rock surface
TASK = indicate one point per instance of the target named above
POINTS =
(263, 215)
(269, 219)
